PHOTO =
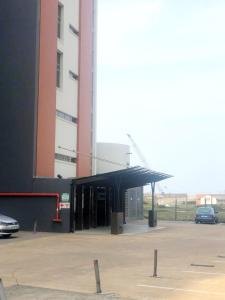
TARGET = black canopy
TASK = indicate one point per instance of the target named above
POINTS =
(126, 178)
(88, 211)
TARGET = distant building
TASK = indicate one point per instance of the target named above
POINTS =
(112, 157)
(210, 199)
(205, 200)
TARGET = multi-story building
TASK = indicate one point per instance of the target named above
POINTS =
(47, 89)
(47, 118)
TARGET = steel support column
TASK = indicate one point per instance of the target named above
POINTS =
(72, 208)
(153, 197)
(154, 222)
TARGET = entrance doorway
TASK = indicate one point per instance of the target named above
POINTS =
(92, 207)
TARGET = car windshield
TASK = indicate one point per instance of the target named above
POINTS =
(204, 210)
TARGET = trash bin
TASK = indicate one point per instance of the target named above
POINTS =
(117, 223)
(152, 218)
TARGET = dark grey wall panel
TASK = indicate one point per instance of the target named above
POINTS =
(55, 185)
(51, 185)
(19, 32)
(27, 210)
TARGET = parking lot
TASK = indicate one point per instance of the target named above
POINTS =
(191, 261)
(22, 236)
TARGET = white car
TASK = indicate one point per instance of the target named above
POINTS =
(8, 226)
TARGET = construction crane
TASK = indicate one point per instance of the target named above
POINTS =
(143, 159)
(139, 153)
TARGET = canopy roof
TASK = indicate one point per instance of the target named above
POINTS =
(126, 178)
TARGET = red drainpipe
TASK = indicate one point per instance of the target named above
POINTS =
(56, 195)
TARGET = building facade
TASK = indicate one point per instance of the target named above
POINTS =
(47, 108)
(69, 56)
(47, 89)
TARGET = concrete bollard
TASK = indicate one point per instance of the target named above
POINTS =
(155, 263)
(97, 277)
(2, 291)
(35, 227)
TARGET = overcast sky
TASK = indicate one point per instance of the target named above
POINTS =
(161, 78)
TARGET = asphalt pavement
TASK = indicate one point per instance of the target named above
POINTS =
(191, 263)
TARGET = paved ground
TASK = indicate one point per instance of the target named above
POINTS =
(65, 262)
(24, 236)
(19, 292)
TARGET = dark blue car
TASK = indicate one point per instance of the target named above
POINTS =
(206, 214)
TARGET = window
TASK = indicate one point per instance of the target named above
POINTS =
(73, 29)
(73, 75)
(59, 70)
(66, 158)
(60, 19)
(66, 117)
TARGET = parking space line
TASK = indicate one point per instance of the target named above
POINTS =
(201, 265)
(206, 273)
(181, 290)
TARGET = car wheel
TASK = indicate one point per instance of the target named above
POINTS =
(6, 236)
